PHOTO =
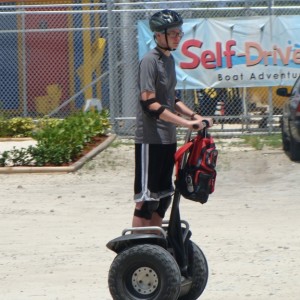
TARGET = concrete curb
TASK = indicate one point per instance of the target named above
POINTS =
(22, 139)
(65, 169)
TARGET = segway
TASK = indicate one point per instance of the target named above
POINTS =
(163, 266)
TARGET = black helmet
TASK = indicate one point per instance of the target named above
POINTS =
(165, 19)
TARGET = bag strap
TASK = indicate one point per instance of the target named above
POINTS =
(179, 153)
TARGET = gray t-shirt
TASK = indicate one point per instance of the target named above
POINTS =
(156, 74)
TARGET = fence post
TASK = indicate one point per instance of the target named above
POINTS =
(111, 63)
(24, 73)
(245, 109)
(129, 66)
(270, 95)
(270, 112)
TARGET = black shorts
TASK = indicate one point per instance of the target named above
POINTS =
(154, 164)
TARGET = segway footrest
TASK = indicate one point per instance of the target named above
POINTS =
(125, 241)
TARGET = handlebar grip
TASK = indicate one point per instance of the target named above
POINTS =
(204, 122)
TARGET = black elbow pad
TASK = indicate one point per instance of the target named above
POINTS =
(154, 114)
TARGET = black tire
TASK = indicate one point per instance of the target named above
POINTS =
(144, 272)
(285, 142)
(294, 150)
(198, 270)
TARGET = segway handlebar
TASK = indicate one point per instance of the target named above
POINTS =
(196, 127)
(204, 122)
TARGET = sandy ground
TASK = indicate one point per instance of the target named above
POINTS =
(54, 228)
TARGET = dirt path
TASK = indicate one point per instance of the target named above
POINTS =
(54, 228)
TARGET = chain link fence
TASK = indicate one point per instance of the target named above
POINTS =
(64, 56)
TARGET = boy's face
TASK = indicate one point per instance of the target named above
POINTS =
(174, 36)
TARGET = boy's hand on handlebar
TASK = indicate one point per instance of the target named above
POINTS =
(199, 123)
(209, 120)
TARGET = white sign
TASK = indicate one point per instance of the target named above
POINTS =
(236, 52)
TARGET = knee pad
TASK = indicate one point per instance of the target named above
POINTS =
(147, 209)
(164, 204)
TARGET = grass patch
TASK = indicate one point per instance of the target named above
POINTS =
(258, 142)
(122, 142)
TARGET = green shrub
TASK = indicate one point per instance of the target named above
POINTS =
(47, 122)
(59, 142)
(3, 127)
(16, 127)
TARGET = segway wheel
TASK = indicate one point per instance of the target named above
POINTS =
(198, 270)
(144, 272)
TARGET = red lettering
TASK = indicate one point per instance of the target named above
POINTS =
(296, 56)
(253, 46)
(185, 51)
(207, 58)
(229, 53)
(219, 54)
(285, 59)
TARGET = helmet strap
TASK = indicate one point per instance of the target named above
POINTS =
(166, 36)
(161, 47)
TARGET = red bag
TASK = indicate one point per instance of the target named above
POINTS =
(196, 178)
